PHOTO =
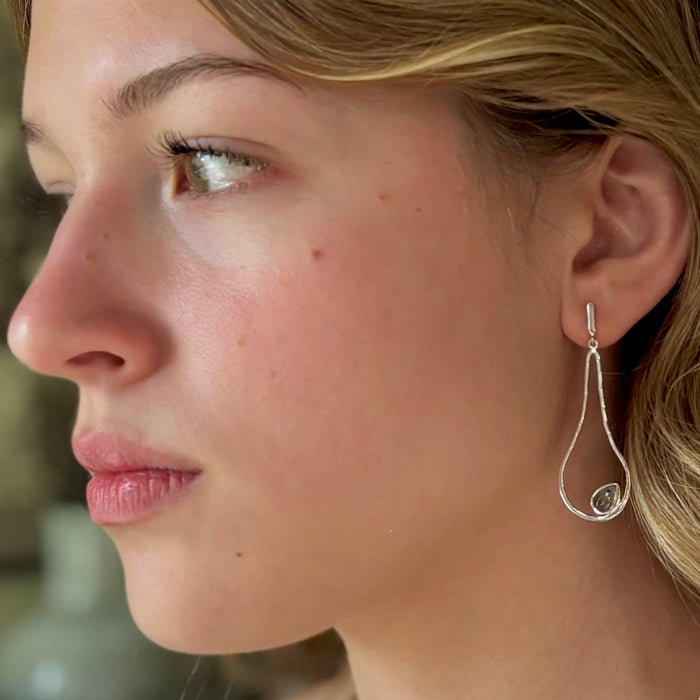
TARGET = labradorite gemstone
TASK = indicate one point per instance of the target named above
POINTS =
(605, 498)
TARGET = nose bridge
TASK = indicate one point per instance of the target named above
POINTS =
(78, 269)
(80, 319)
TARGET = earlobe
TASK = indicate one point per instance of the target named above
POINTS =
(637, 243)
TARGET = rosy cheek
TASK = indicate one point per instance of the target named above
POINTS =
(279, 354)
(310, 349)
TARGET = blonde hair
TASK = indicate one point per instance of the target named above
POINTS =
(551, 79)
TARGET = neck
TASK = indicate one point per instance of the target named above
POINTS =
(531, 606)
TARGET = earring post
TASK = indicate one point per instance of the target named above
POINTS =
(590, 308)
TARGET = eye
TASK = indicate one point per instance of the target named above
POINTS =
(208, 171)
(201, 168)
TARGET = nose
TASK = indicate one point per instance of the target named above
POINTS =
(79, 320)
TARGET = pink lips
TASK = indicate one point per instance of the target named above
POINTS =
(129, 482)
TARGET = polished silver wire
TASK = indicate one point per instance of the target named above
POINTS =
(620, 500)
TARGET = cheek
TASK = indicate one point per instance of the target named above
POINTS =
(333, 365)
(340, 398)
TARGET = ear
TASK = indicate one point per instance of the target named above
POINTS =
(632, 244)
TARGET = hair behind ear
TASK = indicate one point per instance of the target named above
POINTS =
(662, 428)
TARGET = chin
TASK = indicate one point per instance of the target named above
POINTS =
(226, 637)
(191, 621)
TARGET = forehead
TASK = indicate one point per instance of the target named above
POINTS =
(103, 44)
(138, 25)
(84, 52)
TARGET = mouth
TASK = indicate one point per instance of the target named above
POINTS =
(130, 482)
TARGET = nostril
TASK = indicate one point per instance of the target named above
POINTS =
(99, 358)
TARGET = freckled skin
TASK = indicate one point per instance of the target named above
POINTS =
(344, 415)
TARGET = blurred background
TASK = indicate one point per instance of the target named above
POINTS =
(65, 632)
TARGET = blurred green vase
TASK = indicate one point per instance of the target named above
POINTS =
(81, 643)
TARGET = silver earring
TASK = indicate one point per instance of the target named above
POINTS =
(610, 500)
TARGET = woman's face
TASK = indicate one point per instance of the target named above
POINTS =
(331, 335)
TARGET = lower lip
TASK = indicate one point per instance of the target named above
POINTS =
(117, 498)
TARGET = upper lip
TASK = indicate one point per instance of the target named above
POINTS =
(108, 452)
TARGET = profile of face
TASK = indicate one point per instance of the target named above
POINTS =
(306, 292)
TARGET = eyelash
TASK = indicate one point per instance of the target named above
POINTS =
(174, 149)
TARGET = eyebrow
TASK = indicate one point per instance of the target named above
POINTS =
(145, 91)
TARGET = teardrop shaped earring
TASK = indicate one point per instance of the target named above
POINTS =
(607, 502)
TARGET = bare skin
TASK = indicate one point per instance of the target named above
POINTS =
(376, 370)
